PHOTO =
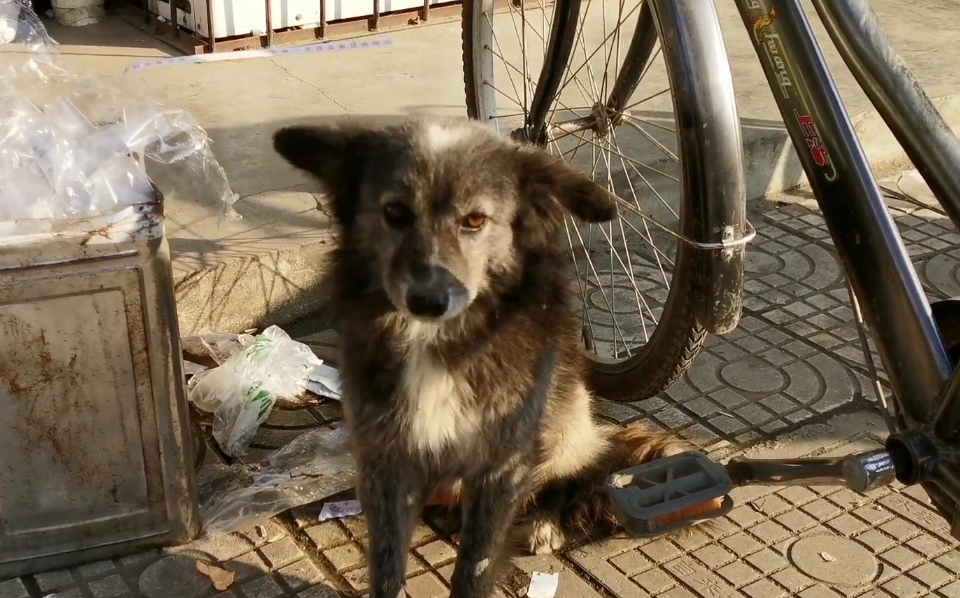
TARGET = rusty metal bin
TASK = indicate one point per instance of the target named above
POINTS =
(95, 456)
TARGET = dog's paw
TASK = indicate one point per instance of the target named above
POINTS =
(545, 537)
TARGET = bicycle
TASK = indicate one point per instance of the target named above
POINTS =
(917, 342)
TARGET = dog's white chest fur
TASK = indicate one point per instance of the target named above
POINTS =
(441, 413)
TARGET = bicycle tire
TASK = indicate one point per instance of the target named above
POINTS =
(678, 336)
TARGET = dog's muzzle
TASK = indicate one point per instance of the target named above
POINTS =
(434, 293)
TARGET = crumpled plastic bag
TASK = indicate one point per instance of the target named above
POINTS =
(242, 390)
(314, 466)
(215, 346)
(77, 146)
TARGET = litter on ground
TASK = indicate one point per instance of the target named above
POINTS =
(339, 510)
(543, 585)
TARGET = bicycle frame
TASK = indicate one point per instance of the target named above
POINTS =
(895, 309)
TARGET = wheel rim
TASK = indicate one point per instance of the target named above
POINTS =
(623, 268)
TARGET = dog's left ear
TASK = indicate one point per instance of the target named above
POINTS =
(546, 185)
(336, 155)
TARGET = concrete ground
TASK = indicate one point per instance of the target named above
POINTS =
(790, 381)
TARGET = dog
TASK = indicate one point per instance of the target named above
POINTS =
(461, 357)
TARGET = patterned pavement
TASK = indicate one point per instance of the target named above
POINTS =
(789, 381)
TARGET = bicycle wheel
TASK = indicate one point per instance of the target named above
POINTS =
(572, 77)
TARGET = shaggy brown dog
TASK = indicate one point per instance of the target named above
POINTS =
(462, 364)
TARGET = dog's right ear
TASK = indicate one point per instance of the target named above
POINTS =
(335, 155)
(547, 187)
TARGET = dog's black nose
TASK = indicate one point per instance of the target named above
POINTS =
(428, 304)
(432, 291)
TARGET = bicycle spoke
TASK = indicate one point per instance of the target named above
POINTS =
(518, 71)
(647, 99)
(496, 42)
(513, 115)
(626, 263)
(652, 140)
(648, 237)
(636, 163)
(522, 37)
(587, 59)
(649, 122)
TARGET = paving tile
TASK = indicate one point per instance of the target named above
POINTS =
(655, 581)
(764, 588)
(661, 551)
(263, 587)
(345, 557)
(427, 585)
(767, 561)
(904, 587)
(300, 574)
(13, 588)
(692, 539)
(714, 556)
(54, 581)
(950, 591)
(328, 534)
(701, 580)
(281, 553)
(357, 579)
(631, 562)
(931, 575)
(437, 552)
(875, 540)
(112, 586)
(599, 570)
(901, 557)
(94, 570)
(319, 591)
(738, 573)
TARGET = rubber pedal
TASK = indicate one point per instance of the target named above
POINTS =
(669, 494)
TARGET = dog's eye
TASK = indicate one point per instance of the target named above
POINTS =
(397, 215)
(473, 222)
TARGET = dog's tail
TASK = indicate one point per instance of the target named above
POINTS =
(589, 511)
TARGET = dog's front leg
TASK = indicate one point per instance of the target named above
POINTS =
(490, 504)
(391, 500)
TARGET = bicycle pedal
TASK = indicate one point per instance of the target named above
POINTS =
(668, 494)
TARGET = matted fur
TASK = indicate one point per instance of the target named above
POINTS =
(485, 398)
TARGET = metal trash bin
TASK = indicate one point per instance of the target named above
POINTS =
(95, 452)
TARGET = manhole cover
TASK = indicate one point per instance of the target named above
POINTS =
(834, 560)
(174, 576)
(752, 375)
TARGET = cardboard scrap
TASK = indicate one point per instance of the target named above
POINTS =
(221, 579)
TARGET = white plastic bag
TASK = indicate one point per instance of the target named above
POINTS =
(242, 390)
(314, 466)
(76, 146)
